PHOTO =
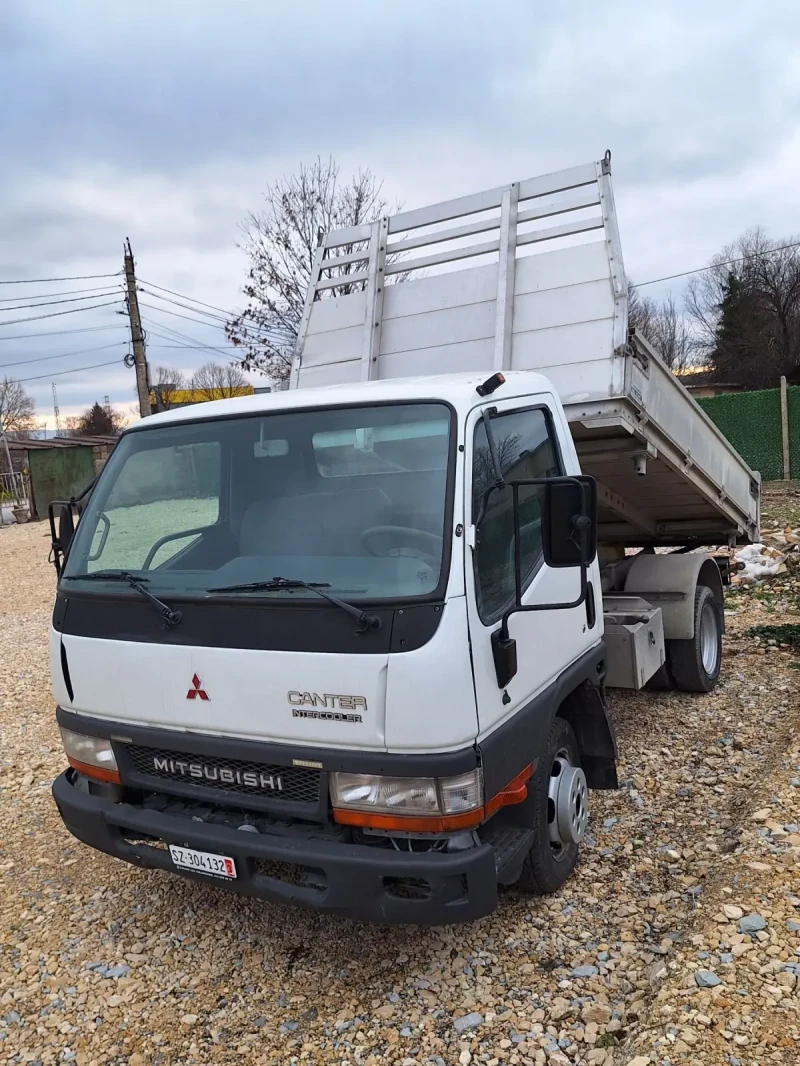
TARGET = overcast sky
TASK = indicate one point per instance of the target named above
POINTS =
(164, 121)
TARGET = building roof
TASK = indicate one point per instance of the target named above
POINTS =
(98, 438)
(179, 397)
(32, 444)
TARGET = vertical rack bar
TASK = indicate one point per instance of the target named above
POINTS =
(311, 293)
(506, 264)
(618, 282)
(371, 342)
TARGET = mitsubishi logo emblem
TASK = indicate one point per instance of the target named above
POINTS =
(195, 691)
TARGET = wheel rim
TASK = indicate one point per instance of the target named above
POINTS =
(568, 804)
(709, 639)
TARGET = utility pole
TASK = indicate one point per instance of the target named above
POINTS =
(137, 337)
(7, 451)
(10, 472)
(56, 410)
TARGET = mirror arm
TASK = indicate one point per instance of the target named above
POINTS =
(499, 480)
(504, 635)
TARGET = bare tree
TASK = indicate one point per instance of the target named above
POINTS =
(168, 381)
(17, 407)
(745, 310)
(280, 242)
(663, 326)
(671, 337)
(642, 310)
(218, 381)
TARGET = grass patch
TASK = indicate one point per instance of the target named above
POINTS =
(786, 634)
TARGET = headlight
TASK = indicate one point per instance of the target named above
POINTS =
(392, 795)
(416, 798)
(93, 756)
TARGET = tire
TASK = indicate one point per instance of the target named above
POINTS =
(694, 664)
(547, 866)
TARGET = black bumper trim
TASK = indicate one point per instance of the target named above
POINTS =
(462, 885)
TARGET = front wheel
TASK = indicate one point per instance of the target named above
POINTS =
(561, 811)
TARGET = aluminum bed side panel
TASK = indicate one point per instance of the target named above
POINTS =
(668, 405)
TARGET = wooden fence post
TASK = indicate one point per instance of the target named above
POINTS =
(785, 430)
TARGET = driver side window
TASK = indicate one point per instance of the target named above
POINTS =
(526, 449)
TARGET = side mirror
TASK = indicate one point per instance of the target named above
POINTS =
(569, 539)
(569, 522)
(62, 530)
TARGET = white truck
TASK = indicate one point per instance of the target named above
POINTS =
(347, 645)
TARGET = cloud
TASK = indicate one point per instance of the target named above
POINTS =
(165, 121)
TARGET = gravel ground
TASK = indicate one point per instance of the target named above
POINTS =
(677, 941)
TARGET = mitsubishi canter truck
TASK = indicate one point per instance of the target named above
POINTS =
(347, 645)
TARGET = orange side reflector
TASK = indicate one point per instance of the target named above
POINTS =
(410, 823)
(514, 792)
(95, 772)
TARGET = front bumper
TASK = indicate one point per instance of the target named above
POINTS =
(352, 880)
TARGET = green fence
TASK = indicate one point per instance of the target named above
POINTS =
(752, 423)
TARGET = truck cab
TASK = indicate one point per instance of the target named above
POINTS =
(268, 711)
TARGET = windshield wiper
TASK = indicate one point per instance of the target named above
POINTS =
(365, 621)
(171, 618)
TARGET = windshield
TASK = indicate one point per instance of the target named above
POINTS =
(352, 497)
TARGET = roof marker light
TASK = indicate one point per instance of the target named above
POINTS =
(489, 386)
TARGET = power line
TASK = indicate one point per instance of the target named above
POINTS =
(228, 313)
(201, 322)
(60, 332)
(51, 303)
(77, 277)
(232, 346)
(276, 334)
(183, 296)
(164, 310)
(75, 370)
(55, 314)
(186, 307)
(194, 342)
(62, 355)
(47, 295)
(187, 341)
(714, 266)
(172, 334)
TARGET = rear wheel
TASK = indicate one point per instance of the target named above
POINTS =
(561, 811)
(694, 664)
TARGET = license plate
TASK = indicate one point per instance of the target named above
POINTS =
(203, 862)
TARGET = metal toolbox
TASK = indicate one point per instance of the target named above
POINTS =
(634, 634)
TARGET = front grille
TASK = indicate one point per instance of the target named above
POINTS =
(299, 784)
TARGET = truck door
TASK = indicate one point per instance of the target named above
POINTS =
(547, 641)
